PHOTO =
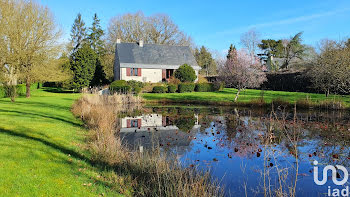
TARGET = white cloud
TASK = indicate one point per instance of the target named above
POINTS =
(283, 22)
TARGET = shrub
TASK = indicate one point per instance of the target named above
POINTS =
(159, 89)
(137, 90)
(2, 92)
(134, 83)
(218, 86)
(119, 82)
(204, 87)
(21, 90)
(119, 86)
(136, 86)
(173, 80)
(172, 88)
(185, 73)
(186, 87)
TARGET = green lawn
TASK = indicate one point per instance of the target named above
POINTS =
(40, 149)
(228, 95)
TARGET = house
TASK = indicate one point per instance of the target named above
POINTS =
(150, 62)
(149, 130)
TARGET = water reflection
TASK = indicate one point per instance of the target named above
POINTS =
(151, 130)
(253, 152)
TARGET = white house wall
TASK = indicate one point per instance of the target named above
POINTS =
(147, 75)
(150, 120)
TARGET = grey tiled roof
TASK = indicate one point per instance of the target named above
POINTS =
(154, 54)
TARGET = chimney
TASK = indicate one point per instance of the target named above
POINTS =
(141, 43)
(118, 41)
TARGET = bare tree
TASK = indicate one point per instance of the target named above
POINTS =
(157, 29)
(242, 71)
(331, 70)
(29, 41)
(250, 40)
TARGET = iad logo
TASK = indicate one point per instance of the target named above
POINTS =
(332, 192)
(334, 174)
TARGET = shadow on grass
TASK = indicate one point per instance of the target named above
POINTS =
(40, 115)
(57, 90)
(47, 143)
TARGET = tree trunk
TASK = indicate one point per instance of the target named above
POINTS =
(13, 94)
(327, 93)
(239, 90)
(27, 87)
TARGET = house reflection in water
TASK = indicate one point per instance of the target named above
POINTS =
(155, 129)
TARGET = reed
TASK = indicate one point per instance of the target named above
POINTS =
(150, 173)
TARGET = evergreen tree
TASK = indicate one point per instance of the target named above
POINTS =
(206, 61)
(78, 34)
(97, 44)
(231, 52)
(83, 65)
(99, 75)
(95, 36)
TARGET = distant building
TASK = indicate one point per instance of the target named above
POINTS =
(150, 62)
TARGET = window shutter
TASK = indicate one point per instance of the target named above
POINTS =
(163, 121)
(163, 73)
(128, 123)
(139, 122)
(128, 71)
(139, 72)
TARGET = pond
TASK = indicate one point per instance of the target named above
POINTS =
(250, 152)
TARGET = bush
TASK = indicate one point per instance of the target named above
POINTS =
(119, 86)
(134, 83)
(204, 87)
(186, 87)
(136, 86)
(119, 83)
(185, 73)
(218, 86)
(173, 80)
(2, 92)
(137, 90)
(159, 89)
(21, 90)
(172, 88)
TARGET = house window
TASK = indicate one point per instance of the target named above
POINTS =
(134, 123)
(133, 71)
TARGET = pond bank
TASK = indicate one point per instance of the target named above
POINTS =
(252, 98)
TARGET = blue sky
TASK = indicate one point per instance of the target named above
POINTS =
(216, 24)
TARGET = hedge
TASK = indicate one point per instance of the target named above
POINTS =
(204, 87)
(159, 89)
(218, 86)
(119, 86)
(186, 87)
(172, 88)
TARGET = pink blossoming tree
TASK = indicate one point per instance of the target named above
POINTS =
(242, 71)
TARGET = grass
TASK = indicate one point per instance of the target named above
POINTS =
(226, 97)
(41, 149)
